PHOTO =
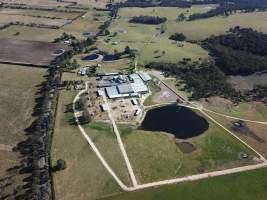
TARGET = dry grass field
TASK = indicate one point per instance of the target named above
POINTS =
(252, 133)
(29, 52)
(6, 18)
(30, 33)
(39, 3)
(17, 98)
(85, 177)
(39, 13)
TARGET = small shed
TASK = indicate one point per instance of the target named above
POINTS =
(134, 101)
(104, 107)
(137, 112)
(100, 93)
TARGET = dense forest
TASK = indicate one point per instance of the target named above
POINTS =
(245, 39)
(148, 19)
(240, 52)
(203, 81)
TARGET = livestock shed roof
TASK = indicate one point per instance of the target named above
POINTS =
(107, 83)
(112, 92)
(144, 76)
(125, 88)
(133, 77)
(139, 86)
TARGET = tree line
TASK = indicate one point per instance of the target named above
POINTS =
(227, 7)
(148, 19)
(152, 3)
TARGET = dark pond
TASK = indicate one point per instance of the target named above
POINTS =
(179, 121)
(110, 57)
(91, 57)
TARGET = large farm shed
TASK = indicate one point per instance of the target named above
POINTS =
(29, 52)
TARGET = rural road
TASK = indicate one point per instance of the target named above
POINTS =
(90, 142)
(116, 131)
(137, 186)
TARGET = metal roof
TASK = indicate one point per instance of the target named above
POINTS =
(134, 76)
(112, 92)
(125, 88)
(106, 83)
(144, 76)
(139, 86)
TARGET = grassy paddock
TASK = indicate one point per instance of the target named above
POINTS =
(18, 88)
(106, 142)
(204, 28)
(155, 156)
(145, 38)
(85, 177)
(30, 33)
(241, 186)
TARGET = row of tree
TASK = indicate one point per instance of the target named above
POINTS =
(152, 3)
(148, 19)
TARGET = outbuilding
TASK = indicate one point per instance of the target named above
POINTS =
(104, 107)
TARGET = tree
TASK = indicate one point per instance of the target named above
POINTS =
(61, 165)
(163, 28)
(178, 37)
(181, 17)
(116, 52)
(127, 50)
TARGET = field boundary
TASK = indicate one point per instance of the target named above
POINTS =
(195, 177)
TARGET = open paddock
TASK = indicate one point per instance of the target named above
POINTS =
(39, 3)
(29, 52)
(30, 33)
(89, 22)
(155, 155)
(204, 28)
(147, 40)
(6, 19)
(18, 90)
(253, 134)
(39, 13)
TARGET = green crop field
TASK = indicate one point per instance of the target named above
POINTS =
(155, 156)
(242, 186)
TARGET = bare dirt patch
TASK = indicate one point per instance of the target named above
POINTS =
(29, 52)
(165, 95)
(186, 147)
(252, 133)
(217, 102)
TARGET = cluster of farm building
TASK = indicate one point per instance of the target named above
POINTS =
(122, 86)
